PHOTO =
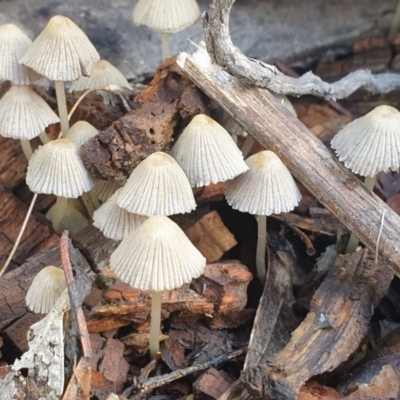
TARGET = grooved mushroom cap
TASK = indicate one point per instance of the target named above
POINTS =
(266, 188)
(157, 186)
(62, 52)
(13, 45)
(103, 190)
(115, 222)
(370, 144)
(56, 168)
(157, 256)
(166, 16)
(207, 153)
(24, 114)
(81, 132)
(46, 288)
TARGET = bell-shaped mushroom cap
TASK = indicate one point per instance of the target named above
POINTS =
(81, 132)
(103, 190)
(285, 102)
(56, 168)
(24, 114)
(370, 144)
(46, 288)
(73, 220)
(157, 186)
(157, 256)
(13, 45)
(266, 188)
(207, 153)
(166, 16)
(62, 52)
(115, 222)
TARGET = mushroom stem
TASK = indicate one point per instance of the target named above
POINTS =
(58, 212)
(155, 324)
(369, 182)
(247, 145)
(26, 148)
(165, 45)
(43, 137)
(261, 243)
(62, 107)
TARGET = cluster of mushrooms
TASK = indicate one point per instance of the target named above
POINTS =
(154, 253)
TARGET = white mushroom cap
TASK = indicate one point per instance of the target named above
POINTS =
(103, 190)
(73, 220)
(207, 153)
(157, 186)
(115, 222)
(46, 288)
(157, 256)
(266, 188)
(24, 114)
(370, 144)
(13, 45)
(81, 132)
(166, 16)
(62, 52)
(56, 168)
(285, 102)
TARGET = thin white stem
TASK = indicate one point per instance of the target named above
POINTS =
(58, 212)
(19, 237)
(26, 149)
(369, 182)
(261, 245)
(247, 145)
(43, 137)
(62, 107)
(155, 324)
(88, 203)
(165, 45)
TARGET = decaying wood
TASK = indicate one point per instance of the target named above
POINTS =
(211, 237)
(12, 162)
(333, 329)
(211, 384)
(164, 108)
(255, 72)
(309, 160)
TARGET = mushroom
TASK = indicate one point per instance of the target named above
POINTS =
(45, 289)
(103, 74)
(266, 188)
(207, 153)
(369, 145)
(157, 256)
(166, 16)
(62, 52)
(81, 132)
(157, 186)
(103, 190)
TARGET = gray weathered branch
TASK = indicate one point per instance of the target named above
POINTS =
(256, 73)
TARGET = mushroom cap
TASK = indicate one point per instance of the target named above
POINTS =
(207, 153)
(62, 51)
(13, 45)
(266, 188)
(157, 186)
(24, 114)
(157, 256)
(103, 190)
(45, 289)
(81, 132)
(115, 222)
(103, 74)
(285, 102)
(370, 144)
(166, 16)
(73, 220)
(56, 168)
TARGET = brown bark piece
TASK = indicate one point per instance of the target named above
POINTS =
(213, 192)
(36, 236)
(211, 384)
(211, 237)
(164, 106)
(333, 329)
(225, 285)
(12, 162)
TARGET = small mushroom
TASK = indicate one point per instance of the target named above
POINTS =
(81, 132)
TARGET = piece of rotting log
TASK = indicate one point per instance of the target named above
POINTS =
(273, 126)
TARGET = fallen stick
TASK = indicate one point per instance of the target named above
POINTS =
(337, 188)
